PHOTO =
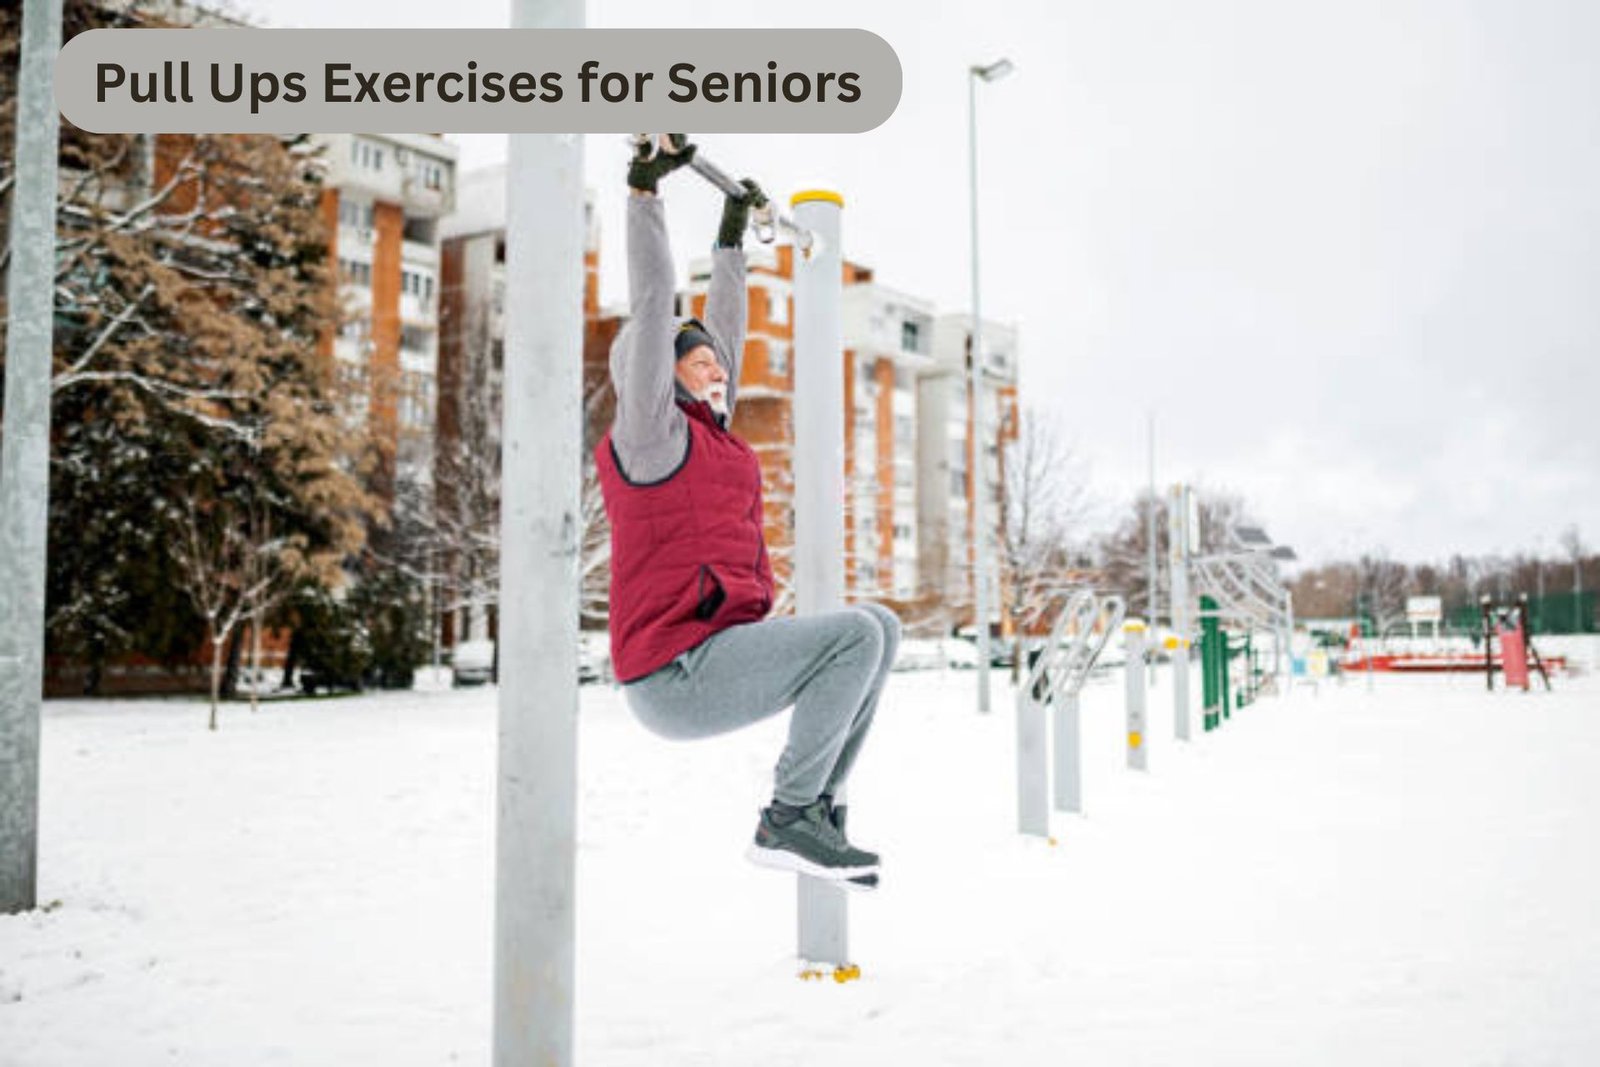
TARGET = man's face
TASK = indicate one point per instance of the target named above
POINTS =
(704, 377)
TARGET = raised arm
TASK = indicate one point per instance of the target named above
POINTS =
(727, 313)
(649, 432)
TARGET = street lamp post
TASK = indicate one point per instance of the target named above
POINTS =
(980, 539)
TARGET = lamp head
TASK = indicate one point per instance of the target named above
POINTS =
(995, 71)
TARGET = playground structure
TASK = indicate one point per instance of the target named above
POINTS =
(1240, 596)
(1511, 624)
(1084, 625)
(1499, 640)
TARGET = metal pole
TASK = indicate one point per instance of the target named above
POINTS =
(1178, 575)
(536, 828)
(1133, 641)
(980, 510)
(1033, 768)
(25, 453)
(823, 918)
(1288, 642)
(1150, 528)
(1068, 755)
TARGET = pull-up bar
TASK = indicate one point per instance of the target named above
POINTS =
(765, 221)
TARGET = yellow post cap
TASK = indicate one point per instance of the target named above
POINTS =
(807, 195)
(1133, 626)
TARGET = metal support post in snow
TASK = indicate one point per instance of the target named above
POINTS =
(25, 453)
(819, 494)
(1133, 643)
(1288, 642)
(1034, 698)
(1084, 623)
(1182, 627)
(1152, 580)
(979, 468)
(1068, 740)
(536, 824)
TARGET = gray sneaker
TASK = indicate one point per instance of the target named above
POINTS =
(810, 844)
(861, 881)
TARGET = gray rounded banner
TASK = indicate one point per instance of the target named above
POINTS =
(477, 81)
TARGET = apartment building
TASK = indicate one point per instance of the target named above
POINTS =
(471, 365)
(383, 202)
(888, 339)
(949, 477)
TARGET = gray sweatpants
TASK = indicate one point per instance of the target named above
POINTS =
(832, 667)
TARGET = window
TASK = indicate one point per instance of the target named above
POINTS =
(778, 359)
(414, 340)
(777, 308)
(356, 272)
(377, 159)
(909, 336)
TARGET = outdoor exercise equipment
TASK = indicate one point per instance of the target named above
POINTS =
(823, 929)
(1511, 624)
(765, 221)
(1084, 624)
(536, 825)
(1239, 588)
(1133, 644)
(25, 452)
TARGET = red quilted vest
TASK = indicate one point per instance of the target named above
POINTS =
(688, 558)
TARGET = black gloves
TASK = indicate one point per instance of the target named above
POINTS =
(651, 162)
(736, 214)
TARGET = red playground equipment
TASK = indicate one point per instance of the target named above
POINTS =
(1510, 624)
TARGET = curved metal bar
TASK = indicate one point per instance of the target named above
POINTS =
(1240, 609)
(764, 221)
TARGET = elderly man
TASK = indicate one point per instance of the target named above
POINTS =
(691, 584)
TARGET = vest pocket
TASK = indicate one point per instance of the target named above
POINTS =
(709, 594)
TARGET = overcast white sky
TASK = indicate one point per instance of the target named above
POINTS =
(1348, 253)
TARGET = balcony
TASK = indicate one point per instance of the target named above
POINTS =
(417, 252)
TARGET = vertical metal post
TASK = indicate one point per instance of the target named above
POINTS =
(1212, 662)
(1133, 642)
(1288, 642)
(1068, 754)
(1033, 771)
(980, 420)
(823, 918)
(1150, 530)
(536, 824)
(1178, 577)
(25, 453)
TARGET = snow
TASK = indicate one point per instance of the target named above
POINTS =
(1399, 876)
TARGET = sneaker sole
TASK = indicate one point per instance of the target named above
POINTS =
(780, 859)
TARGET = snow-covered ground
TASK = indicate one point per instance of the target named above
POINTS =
(1403, 876)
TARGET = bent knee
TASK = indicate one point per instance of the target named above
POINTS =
(886, 620)
(858, 629)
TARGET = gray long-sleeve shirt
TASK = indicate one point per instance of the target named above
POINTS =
(650, 433)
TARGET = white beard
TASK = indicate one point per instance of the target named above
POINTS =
(717, 397)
